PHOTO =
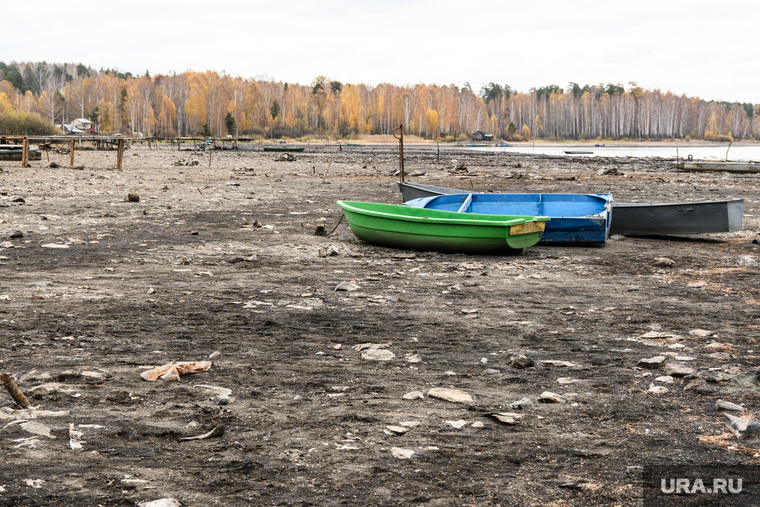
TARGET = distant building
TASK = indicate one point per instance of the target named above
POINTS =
(480, 136)
(83, 124)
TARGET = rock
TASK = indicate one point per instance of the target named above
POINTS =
(347, 286)
(6, 244)
(478, 424)
(652, 362)
(566, 380)
(554, 362)
(413, 358)
(549, 397)
(16, 235)
(678, 370)
(400, 453)
(414, 395)
(657, 389)
(664, 262)
(727, 405)
(521, 361)
(232, 184)
(521, 404)
(163, 502)
(378, 355)
(509, 418)
(746, 261)
(665, 379)
(399, 430)
(743, 428)
(457, 424)
(452, 395)
(133, 197)
(53, 165)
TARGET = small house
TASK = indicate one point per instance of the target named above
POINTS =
(82, 124)
(480, 136)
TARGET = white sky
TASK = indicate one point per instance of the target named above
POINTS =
(707, 49)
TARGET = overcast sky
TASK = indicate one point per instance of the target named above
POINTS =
(699, 48)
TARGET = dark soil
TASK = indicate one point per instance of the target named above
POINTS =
(185, 272)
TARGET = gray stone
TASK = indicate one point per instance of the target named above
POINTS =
(678, 370)
(452, 395)
(652, 362)
(549, 397)
(521, 361)
(746, 261)
(522, 404)
(743, 428)
(727, 405)
(347, 286)
(664, 262)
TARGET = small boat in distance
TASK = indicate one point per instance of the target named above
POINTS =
(284, 148)
(410, 228)
(575, 218)
(578, 152)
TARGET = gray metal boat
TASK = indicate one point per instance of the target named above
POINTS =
(641, 219)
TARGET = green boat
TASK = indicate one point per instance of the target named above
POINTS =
(284, 148)
(423, 229)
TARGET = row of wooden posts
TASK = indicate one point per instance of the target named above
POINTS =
(72, 145)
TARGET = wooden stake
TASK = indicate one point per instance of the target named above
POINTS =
(14, 391)
(326, 170)
(71, 161)
(120, 154)
(25, 154)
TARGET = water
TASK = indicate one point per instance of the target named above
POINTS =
(698, 152)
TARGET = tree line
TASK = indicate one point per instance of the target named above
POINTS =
(218, 104)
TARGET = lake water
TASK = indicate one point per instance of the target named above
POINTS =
(700, 152)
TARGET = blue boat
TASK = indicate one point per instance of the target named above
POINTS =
(575, 218)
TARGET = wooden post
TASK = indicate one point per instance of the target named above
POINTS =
(25, 154)
(71, 160)
(120, 154)
(401, 148)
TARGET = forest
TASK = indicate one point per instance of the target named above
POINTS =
(36, 96)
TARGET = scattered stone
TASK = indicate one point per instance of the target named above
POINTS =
(452, 395)
(664, 262)
(338, 346)
(652, 362)
(327, 252)
(54, 245)
(414, 395)
(16, 235)
(478, 424)
(701, 333)
(347, 286)
(37, 429)
(399, 430)
(410, 424)
(566, 380)
(657, 389)
(521, 404)
(549, 397)
(746, 261)
(521, 361)
(218, 431)
(554, 362)
(7, 244)
(509, 418)
(366, 346)
(163, 502)
(413, 358)
(133, 197)
(53, 165)
(743, 428)
(727, 405)
(665, 379)
(378, 355)
(400, 453)
(457, 424)
(232, 184)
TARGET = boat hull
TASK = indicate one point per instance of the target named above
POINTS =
(443, 231)
(575, 218)
(641, 219)
(654, 219)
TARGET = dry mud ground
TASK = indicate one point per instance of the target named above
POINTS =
(184, 274)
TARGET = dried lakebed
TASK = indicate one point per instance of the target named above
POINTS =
(597, 361)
